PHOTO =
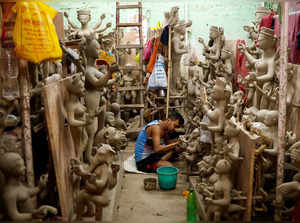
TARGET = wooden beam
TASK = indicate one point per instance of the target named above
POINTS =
(129, 46)
(132, 106)
(129, 24)
(25, 115)
(128, 6)
(169, 70)
(132, 88)
(282, 101)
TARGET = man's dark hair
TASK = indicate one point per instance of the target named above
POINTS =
(173, 115)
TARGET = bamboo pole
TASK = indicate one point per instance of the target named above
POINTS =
(169, 70)
(25, 114)
(282, 102)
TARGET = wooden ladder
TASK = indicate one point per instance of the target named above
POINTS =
(140, 88)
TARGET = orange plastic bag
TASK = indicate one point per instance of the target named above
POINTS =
(34, 33)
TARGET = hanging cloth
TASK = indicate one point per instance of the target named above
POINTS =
(153, 56)
(164, 38)
(240, 68)
(148, 49)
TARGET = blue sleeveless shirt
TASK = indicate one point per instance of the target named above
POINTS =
(141, 150)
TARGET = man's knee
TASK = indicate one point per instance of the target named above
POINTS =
(164, 163)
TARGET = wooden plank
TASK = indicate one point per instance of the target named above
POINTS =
(132, 88)
(173, 97)
(141, 52)
(132, 106)
(129, 46)
(131, 68)
(282, 102)
(128, 6)
(129, 24)
(59, 26)
(245, 175)
(25, 115)
(169, 70)
(61, 145)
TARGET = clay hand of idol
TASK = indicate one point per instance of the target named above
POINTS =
(208, 200)
(102, 16)
(43, 211)
(204, 125)
(92, 178)
(242, 47)
(43, 181)
(201, 40)
(66, 14)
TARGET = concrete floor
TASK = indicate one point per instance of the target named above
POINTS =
(136, 205)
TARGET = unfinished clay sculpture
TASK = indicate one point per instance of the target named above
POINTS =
(264, 67)
(178, 49)
(212, 50)
(216, 116)
(84, 17)
(94, 83)
(17, 195)
(219, 199)
(77, 115)
(100, 177)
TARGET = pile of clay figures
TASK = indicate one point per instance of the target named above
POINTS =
(236, 88)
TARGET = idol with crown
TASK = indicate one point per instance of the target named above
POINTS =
(84, 17)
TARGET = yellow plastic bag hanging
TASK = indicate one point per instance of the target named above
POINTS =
(34, 33)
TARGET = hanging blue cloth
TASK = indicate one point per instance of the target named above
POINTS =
(164, 38)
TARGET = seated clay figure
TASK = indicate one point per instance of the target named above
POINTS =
(219, 204)
(119, 123)
(100, 177)
(16, 195)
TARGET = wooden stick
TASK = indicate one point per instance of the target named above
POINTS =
(26, 127)
(169, 70)
(282, 102)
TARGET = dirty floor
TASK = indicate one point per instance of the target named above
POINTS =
(136, 205)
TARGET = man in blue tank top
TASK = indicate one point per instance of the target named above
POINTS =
(149, 153)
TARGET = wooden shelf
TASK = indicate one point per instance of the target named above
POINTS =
(132, 88)
(132, 106)
(129, 46)
(130, 68)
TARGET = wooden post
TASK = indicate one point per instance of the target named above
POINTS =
(282, 102)
(25, 114)
(169, 70)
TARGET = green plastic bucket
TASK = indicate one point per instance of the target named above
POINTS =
(167, 177)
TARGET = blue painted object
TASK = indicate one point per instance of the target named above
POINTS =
(167, 177)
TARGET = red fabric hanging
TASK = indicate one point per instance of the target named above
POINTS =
(293, 28)
(240, 68)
